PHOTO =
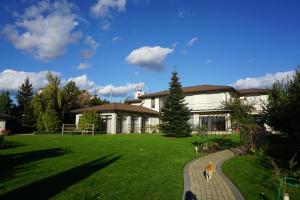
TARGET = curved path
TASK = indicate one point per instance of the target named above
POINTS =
(218, 188)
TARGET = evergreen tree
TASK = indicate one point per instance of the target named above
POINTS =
(175, 114)
(5, 103)
(283, 109)
(24, 109)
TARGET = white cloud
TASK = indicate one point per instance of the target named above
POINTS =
(11, 80)
(83, 82)
(117, 91)
(104, 8)
(105, 25)
(192, 42)
(82, 66)
(44, 30)
(115, 39)
(92, 47)
(151, 58)
(263, 81)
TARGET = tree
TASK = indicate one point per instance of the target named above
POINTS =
(175, 114)
(5, 103)
(90, 117)
(70, 94)
(51, 121)
(95, 100)
(241, 118)
(283, 109)
(24, 109)
(47, 104)
(86, 99)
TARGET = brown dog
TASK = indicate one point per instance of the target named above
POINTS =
(209, 169)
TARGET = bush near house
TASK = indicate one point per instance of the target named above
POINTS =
(90, 117)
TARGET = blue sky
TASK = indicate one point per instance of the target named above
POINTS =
(108, 46)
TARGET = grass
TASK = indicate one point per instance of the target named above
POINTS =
(95, 167)
(253, 175)
(250, 177)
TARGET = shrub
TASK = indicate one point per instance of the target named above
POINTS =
(50, 120)
(90, 117)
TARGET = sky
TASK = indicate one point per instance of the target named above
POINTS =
(109, 47)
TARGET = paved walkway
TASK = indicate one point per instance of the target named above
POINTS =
(218, 188)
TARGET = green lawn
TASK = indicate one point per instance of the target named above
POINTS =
(95, 167)
(252, 176)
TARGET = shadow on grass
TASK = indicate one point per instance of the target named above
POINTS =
(10, 164)
(50, 186)
(12, 144)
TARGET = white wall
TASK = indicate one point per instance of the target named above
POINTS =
(209, 101)
(2, 124)
(257, 100)
(196, 102)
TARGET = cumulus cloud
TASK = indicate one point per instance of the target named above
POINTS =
(82, 66)
(44, 30)
(192, 42)
(117, 91)
(151, 58)
(83, 82)
(108, 90)
(263, 81)
(92, 47)
(11, 79)
(104, 8)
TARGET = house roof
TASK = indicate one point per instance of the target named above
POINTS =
(252, 91)
(191, 90)
(4, 116)
(114, 107)
(133, 101)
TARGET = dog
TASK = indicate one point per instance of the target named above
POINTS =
(208, 171)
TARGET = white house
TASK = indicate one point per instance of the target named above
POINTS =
(3, 118)
(123, 118)
(205, 102)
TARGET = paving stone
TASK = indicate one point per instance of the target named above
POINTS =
(219, 187)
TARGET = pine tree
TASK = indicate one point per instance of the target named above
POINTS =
(24, 97)
(175, 114)
(5, 102)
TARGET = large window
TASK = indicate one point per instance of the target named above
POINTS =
(152, 102)
(161, 103)
(134, 125)
(121, 124)
(105, 124)
(212, 123)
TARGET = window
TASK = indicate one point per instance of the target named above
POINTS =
(212, 123)
(152, 102)
(161, 103)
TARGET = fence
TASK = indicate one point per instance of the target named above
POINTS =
(76, 128)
